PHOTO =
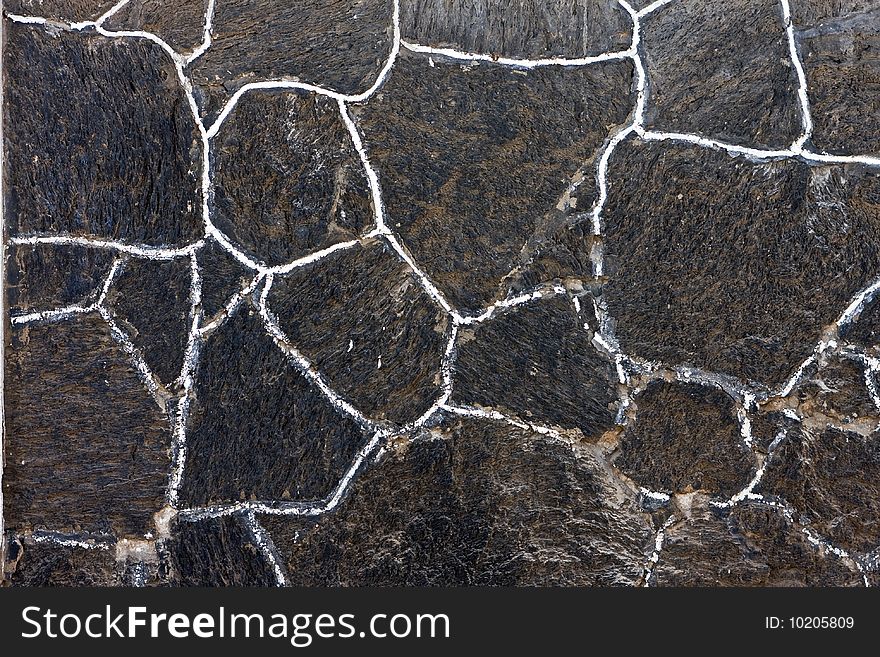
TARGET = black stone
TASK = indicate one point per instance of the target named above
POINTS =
(180, 23)
(222, 277)
(837, 391)
(45, 564)
(65, 10)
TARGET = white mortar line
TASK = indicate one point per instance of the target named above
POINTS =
(516, 62)
(266, 545)
(139, 250)
(659, 540)
(206, 34)
(806, 118)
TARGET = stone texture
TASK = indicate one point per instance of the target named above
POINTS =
(685, 438)
(734, 266)
(45, 277)
(257, 428)
(287, 179)
(99, 139)
(843, 73)
(537, 363)
(180, 23)
(481, 504)
(36, 564)
(222, 277)
(836, 391)
(66, 10)
(809, 13)
(831, 478)
(740, 88)
(750, 545)
(435, 130)
(151, 302)
(532, 30)
(340, 45)
(214, 552)
(362, 319)
(86, 446)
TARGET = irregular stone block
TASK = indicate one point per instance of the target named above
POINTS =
(258, 429)
(730, 265)
(151, 302)
(287, 179)
(836, 392)
(377, 337)
(832, 477)
(87, 448)
(222, 277)
(44, 564)
(99, 139)
(180, 23)
(809, 13)
(534, 30)
(468, 174)
(48, 276)
(537, 362)
(65, 10)
(479, 504)
(722, 70)
(685, 438)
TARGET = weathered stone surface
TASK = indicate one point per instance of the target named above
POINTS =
(67, 10)
(340, 45)
(99, 139)
(865, 328)
(222, 277)
(685, 438)
(533, 30)
(750, 545)
(479, 504)
(86, 446)
(362, 319)
(45, 277)
(537, 363)
(257, 428)
(436, 130)
(562, 256)
(832, 478)
(836, 392)
(809, 13)
(293, 185)
(150, 300)
(740, 88)
(214, 552)
(843, 72)
(41, 564)
(180, 23)
(734, 266)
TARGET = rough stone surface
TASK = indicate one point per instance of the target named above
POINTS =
(257, 428)
(837, 392)
(744, 93)
(287, 179)
(86, 447)
(180, 23)
(831, 478)
(481, 504)
(538, 364)
(222, 277)
(750, 545)
(785, 244)
(340, 45)
(839, 45)
(568, 28)
(67, 10)
(434, 130)
(35, 564)
(43, 277)
(99, 139)
(151, 303)
(685, 438)
(362, 319)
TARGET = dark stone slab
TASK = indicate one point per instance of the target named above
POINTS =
(45, 277)
(43, 564)
(480, 504)
(257, 428)
(65, 10)
(685, 438)
(562, 256)
(769, 425)
(338, 45)
(843, 73)
(180, 23)
(810, 13)
(538, 364)
(86, 445)
(222, 277)
(377, 337)
(864, 330)
(99, 139)
(215, 552)
(287, 179)
(722, 70)
(837, 391)
(510, 28)
(734, 266)
(832, 477)
(468, 173)
(150, 299)
(750, 545)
